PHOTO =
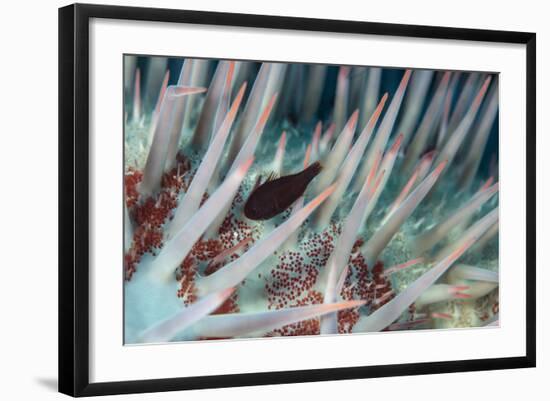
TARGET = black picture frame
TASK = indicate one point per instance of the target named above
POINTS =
(74, 194)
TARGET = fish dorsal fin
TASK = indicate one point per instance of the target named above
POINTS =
(272, 176)
(258, 182)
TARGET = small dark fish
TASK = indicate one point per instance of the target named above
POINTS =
(276, 195)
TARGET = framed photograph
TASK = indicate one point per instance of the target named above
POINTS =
(250, 199)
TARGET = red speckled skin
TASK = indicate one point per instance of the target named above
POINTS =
(291, 282)
(275, 196)
(150, 214)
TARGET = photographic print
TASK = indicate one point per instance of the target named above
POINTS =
(272, 199)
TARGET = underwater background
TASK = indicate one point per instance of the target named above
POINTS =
(396, 229)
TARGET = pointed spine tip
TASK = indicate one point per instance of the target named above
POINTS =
(482, 91)
(405, 80)
(376, 114)
(397, 143)
(282, 142)
(162, 90)
(354, 117)
(267, 110)
(440, 167)
(317, 131)
(245, 166)
(177, 91)
(240, 94)
(486, 184)
(307, 156)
